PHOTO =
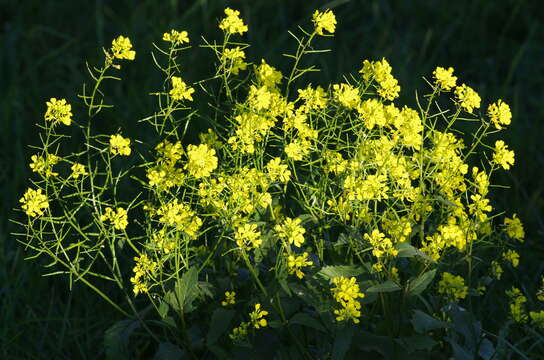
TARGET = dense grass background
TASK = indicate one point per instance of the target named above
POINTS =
(495, 46)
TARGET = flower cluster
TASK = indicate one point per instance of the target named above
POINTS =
(121, 48)
(58, 111)
(117, 217)
(144, 271)
(180, 216)
(202, 161)
(324, 21)
(180, 90)
(291, 231)
(296, 263)
(176, 37)
(43, 165)
(444, 78)
(34, 202)
(380, 72)
(230, 298)
(120, 145)
(346, 292)
(453, 286)
(232, 23)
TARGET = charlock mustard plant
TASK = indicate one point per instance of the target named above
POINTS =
(326, 190)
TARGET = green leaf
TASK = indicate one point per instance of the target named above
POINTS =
(168, 351)
(163, 309)
(219, 324)
(116, 339)
(329, 272)
(185, 291)
(342, 342)
(388, 286)
(308, 321)
(419, 285)
(423, 322)
(407, 251)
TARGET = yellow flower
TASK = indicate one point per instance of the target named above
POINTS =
(239, 333)
(44, 164)
(346, 95)
(453, 286)
(230, 298)
(247, 237)
(119, 145)
(292, 231)
(313, 98)
(512, 257)
(58, 111)
(176, 37)
(444, 78)
(468, 98)
(121, 48)
(346, 292)
(380, 71)
(324, 21)
(268, 75)
(34, 202)
(234, 60)
(144, 271)
(537, 318)
(180, 90)
(296, 263)
(500, 114)
(278, 171)
(180, 216)
(496, 269)
(382, 246)
(297, 149)
(118, 217)
(517, 305)
(257, 317)
(78, 170)
(514, 228)
(202, 161)
(502, 156)
(232, 23)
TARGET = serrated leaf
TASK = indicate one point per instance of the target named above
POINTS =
(219, 324)
(116, 339)
(408, 251)
(185, 291)
(329, 272)
(419, 285)
(387, 286)
(306, 320)
(168, 351)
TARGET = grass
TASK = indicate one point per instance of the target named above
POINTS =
(495, 46)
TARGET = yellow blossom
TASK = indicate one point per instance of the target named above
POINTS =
(444, 78)
(500, 114)
(233, 60)
(176, 37)
(121, 48)
(346, 292)
(257, 317)
(202, 160)
(247, 237)
(180, 90)
(514, 228)
(296, 263)
(43, 165)
(118, 217)
(346, 95)
(120, 145)
(232, 23)
(292, 231)
(324, 21)
(58, 111)
(502, 156)
(517, 305)
(453, 286)
(278, 171)
(230, 298)
(180, 216)
(34, 202)
(468, 98)
(313, 98)
(78, 170)
(512, 257)
(380, 71)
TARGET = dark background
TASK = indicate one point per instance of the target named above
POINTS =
(495, 46)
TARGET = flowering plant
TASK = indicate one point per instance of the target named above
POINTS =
(323, 211)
